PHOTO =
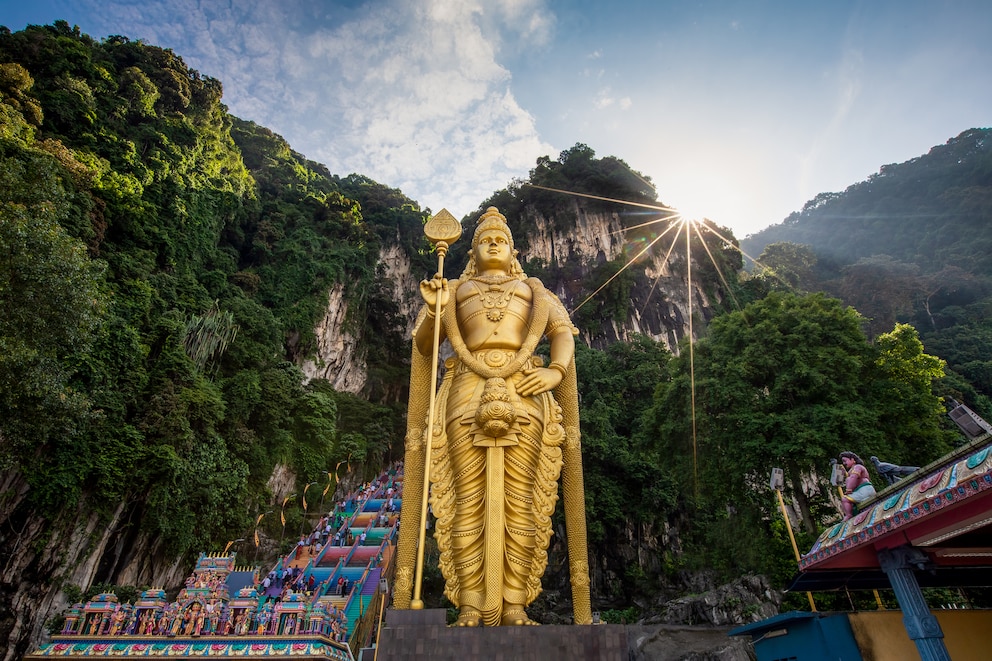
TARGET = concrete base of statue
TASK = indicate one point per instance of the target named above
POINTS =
(408, 634)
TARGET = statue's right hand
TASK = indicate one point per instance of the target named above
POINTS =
(429, 290)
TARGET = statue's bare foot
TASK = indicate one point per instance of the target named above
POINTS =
(515, 616)
(469, 617)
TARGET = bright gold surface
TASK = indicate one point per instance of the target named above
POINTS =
(505, 429)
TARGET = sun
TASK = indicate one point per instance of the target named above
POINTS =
(690, 215)
(697, 195)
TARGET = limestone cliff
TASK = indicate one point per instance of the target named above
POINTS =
(82, 546)
(658, 307)
(339, 357)
(659, 298)
(88, 544)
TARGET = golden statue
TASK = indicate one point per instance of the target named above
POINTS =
(505, 427)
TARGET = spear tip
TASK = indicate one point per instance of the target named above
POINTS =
(443, 227)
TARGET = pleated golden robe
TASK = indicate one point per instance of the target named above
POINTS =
(493, 494)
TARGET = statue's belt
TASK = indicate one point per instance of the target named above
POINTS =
(493, 358)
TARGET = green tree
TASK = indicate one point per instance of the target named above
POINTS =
(900, 381)
(776, 384)
(51, 305)
(787, 382)
(787, 263)
(616, 387)
(881, 288)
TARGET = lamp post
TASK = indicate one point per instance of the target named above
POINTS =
(232, 542)
(336, 478)
(303, 522)
(257, 521)
(282, 516)
(776, 482)
(384, 597)
(324, 492)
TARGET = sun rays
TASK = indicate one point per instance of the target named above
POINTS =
(672, 225)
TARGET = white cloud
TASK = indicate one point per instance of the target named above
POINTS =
(410, 93)
(418, 93)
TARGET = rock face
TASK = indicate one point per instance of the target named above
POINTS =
(340, 354)
(339, 357)
(660, 297)
(659, 306)
(401, 283)
(665, 642)
(748, 599)
(83, 547)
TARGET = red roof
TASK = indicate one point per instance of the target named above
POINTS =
(944, 509)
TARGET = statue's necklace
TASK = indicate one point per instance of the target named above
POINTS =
(498, 279)
(495, 300)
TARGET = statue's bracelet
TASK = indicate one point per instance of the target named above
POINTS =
(558, 367)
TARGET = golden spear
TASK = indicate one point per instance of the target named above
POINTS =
(442, 230)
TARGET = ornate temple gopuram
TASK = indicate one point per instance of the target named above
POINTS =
(320, 601)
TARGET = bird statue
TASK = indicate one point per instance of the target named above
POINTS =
(891, 473)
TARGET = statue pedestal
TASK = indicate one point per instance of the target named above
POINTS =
(423, 635)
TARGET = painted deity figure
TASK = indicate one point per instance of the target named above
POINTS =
(263, 621)
(116, 621)
(176, 623)
(199, 619)
(240, 626)
(502, 422)
(857, 487)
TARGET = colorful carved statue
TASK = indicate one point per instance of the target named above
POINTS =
(263, 620)
(199, 616)
(213, 622)
(176, 623)
(504, 423)
(117, 621)
(857, 487)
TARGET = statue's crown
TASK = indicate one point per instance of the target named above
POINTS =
(492, 219)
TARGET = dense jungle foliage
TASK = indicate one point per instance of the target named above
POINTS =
(910, 244)
(163, 265)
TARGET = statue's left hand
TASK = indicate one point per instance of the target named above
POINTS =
(538, 380)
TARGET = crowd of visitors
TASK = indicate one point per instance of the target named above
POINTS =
(286, 599)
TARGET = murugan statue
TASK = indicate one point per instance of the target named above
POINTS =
(505, 428)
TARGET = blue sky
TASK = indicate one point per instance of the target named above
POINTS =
(738, 111)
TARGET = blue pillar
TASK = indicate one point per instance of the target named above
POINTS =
(920, 623)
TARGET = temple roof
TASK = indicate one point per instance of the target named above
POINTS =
(944, 509)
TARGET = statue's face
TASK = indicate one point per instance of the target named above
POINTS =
(493, 252)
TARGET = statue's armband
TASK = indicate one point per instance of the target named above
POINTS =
(558, 317)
